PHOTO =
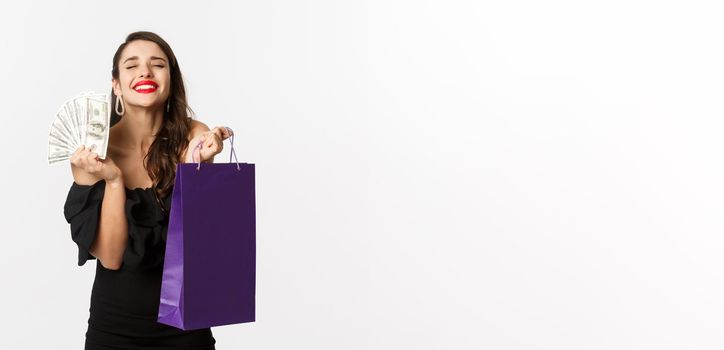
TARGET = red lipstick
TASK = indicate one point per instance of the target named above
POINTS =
(145, 86)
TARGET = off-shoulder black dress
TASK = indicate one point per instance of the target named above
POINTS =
(124, 302)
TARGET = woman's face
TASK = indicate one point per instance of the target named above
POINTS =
(144, 78)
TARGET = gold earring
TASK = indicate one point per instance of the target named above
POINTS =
(119, 100)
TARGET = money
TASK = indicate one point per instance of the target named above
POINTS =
(97, 125)
(81, 120)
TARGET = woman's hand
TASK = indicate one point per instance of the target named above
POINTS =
(88, 168)
(211, 145)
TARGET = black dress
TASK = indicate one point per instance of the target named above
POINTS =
(124, 302)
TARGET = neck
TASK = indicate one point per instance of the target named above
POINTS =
(139, 127)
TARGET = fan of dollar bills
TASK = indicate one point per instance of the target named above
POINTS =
(81, 120)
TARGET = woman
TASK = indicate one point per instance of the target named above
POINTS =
(118, 207)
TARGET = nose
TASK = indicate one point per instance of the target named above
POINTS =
(146, 72)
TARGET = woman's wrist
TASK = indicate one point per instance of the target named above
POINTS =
(115, 182)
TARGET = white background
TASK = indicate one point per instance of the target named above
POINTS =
(430, 174)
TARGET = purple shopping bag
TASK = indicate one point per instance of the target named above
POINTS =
(209, 272)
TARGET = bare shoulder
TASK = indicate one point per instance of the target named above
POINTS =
(197, 127)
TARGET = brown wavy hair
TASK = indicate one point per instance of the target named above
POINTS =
(172, 138)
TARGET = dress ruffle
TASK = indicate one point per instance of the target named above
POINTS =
(147, 223)
(82, 211)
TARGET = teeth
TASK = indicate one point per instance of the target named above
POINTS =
(145, 87)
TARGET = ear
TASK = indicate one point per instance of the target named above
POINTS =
(116, 86)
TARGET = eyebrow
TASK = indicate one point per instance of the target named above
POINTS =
(136, 57)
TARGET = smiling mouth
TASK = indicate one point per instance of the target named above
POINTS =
(145, 87)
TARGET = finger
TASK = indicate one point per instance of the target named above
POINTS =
(218, 132)
(226, 133)
(207, 141)
(211, 139)
(200, 144)
(200, 140)
(92, 160)
(208, 154)
(83, 160)
(193, 146)
(214, 148)
(74, 156)
(196, 152)
(78, 151)
(84, 153)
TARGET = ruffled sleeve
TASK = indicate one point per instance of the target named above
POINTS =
(147, 225)
(82, 211)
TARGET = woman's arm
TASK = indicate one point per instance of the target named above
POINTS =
(112, 234)
(211, 142)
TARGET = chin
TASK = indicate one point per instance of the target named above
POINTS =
(147, 105)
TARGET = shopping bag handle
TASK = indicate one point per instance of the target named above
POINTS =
(232, 153)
